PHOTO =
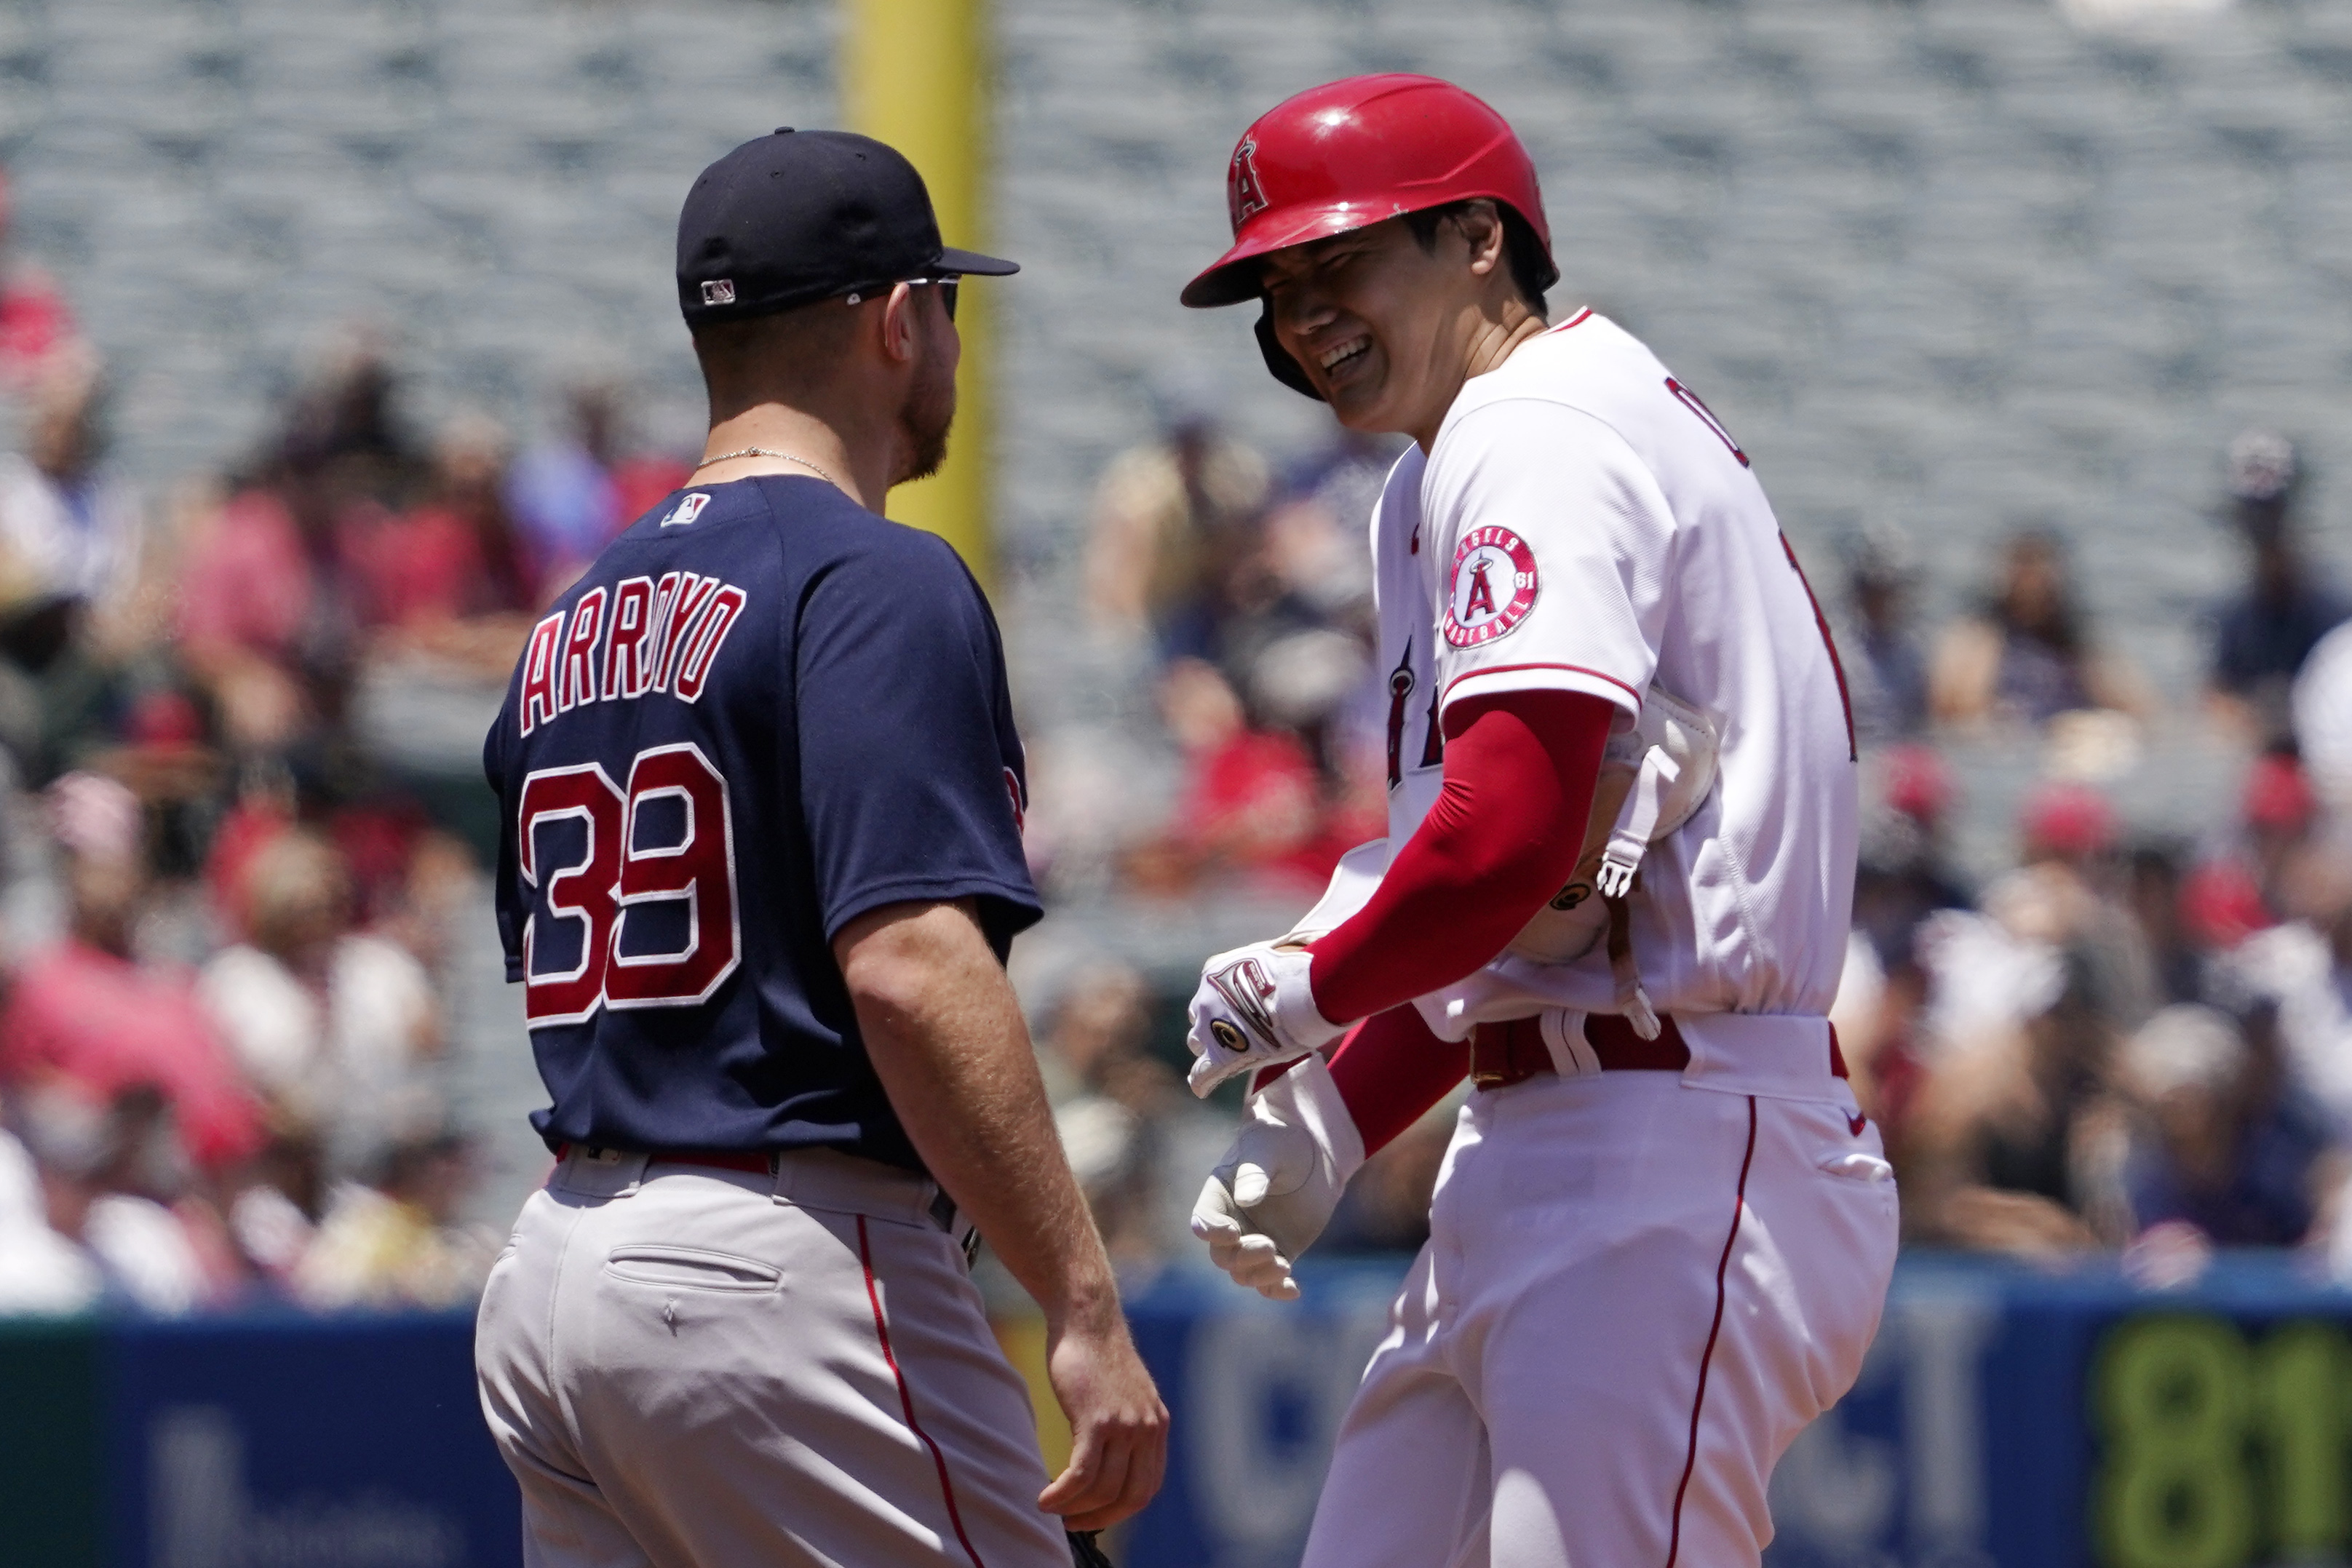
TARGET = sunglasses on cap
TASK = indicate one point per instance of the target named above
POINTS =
(947, 286)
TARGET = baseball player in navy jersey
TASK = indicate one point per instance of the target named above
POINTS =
(1614, 891)
(760, 868)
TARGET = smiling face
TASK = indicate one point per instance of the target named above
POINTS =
(1387, 331)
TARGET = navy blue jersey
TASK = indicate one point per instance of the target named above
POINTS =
(763, 712)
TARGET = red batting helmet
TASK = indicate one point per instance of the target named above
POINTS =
(1354, 153)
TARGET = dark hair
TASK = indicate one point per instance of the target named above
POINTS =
(1532, 271)
(2065, 628)
(799, 347)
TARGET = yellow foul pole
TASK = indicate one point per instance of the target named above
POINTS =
(915, 74)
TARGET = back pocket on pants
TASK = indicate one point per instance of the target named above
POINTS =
(691, 1269)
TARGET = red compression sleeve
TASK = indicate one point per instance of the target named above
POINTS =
(1502, 837)
(1390, 1069)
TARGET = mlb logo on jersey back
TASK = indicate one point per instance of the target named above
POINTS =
(1492, 587)
(686, 511)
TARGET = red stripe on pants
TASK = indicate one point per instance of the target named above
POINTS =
(1698, 1400)
(907, 1399)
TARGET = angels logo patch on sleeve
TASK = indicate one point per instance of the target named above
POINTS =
(1492, 587)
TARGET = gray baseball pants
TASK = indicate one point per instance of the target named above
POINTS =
(689, 1367)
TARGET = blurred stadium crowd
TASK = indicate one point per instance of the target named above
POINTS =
(228, 901)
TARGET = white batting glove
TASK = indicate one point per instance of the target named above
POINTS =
(1275, 1192)
(1253, 1009)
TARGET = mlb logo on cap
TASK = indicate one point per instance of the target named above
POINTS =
(719, 291)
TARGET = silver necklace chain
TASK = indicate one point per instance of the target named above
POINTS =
(780, 456)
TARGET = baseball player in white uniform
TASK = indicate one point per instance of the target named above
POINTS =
(1615, 890)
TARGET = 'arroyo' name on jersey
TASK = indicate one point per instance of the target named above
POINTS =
(640, 636)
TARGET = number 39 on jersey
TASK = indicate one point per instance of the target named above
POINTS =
(634, 886)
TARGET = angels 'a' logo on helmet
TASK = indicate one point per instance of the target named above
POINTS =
(1244, 195)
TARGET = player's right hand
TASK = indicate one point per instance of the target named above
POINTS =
(1255, 1008)
(1118, 1427)
(1277, 1188)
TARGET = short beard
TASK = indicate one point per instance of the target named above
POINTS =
(924, 419)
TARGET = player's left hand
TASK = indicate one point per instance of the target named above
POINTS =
(1277, 1188)
(1254, 1008)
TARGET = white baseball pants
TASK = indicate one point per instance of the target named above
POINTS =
(695, 1368)
(1634, 1295)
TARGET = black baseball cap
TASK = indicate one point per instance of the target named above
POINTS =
(803, 215)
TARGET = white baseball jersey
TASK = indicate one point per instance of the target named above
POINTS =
(1634, 1295)
(1583, 523)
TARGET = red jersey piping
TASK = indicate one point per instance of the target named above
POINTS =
(1580, 669)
